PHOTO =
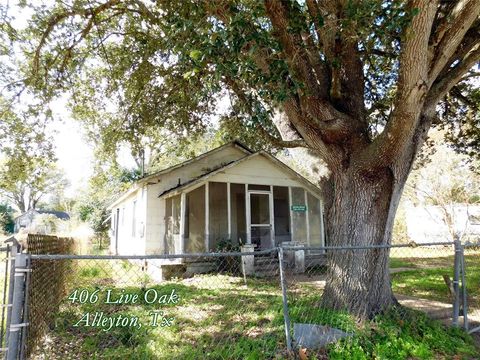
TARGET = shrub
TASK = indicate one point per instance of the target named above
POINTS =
(228, 264)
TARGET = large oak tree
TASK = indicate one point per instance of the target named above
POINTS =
(356, 83)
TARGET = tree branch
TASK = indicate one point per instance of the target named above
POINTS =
(443, 85)
(457, 93)
(411, 92)
(58, 18)
(280, 142)
(295, 54)
(464, 14)
(471, 75)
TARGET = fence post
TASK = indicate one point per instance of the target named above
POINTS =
(286, 316)
(11, 282)
(464, 290)
(16, 324)
(456, 277)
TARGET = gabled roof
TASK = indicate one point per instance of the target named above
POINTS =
(235, 143)
(182, 187)
(150, 177)
(59, 214)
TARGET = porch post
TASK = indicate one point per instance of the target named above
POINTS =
(247, 214)
(322, 225)
(182, 223)
(272, 217)
(207, 216)
(229, 212)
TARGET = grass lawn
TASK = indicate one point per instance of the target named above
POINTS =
(218, 317)
(423, 277)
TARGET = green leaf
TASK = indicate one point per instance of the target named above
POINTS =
(195, 54)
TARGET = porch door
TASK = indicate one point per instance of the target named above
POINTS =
(260, 219)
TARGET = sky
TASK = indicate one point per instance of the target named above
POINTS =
(74, 152)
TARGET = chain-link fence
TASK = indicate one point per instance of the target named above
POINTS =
(420, 279)
(470, 291)
(197, 306)
(256, 305)
(47, 283)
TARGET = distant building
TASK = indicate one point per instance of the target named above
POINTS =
(30, 220)
(433, 223)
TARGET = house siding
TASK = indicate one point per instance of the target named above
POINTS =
(153, 208)
(257, 170)
(128, 243)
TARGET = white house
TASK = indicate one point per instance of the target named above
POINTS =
(434, 223)
(229, 193)
(41, 221)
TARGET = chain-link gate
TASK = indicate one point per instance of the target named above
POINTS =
(13, 272)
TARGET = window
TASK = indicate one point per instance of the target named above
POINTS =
(474, 219)
(172, 215)
(134, 218)
(114, 222)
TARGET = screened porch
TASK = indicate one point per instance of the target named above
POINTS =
(213, 215)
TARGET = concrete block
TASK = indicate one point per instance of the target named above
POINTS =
(248, 261)
(312, 336)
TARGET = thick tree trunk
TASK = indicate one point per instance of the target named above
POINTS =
(361, 213)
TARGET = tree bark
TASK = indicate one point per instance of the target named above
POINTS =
(360, 215)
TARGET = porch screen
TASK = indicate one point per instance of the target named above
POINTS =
(172, 223)
(238, 225)
(281, 214)
(314, 220)
(195, 221)
(299, 215)
(218, 211)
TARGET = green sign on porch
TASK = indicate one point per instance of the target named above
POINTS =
(299, 208)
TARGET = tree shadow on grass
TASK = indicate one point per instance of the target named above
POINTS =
(222, 321)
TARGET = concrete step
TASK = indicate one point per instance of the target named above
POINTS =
(266, 262)
(266, 272)
(315, 260)
(316, 256)
(201, 267)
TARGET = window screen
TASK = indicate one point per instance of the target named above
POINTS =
(218, 213)
(195, 221)
(314, 220)
(281, 213)
(238, 224)
(299, 218)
